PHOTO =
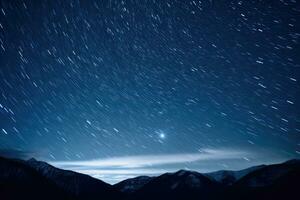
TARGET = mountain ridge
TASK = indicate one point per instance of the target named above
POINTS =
(35, 179)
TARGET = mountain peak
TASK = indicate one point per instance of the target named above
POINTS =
(32, 160)
(182, 172)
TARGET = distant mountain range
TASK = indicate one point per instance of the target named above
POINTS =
(34, 179)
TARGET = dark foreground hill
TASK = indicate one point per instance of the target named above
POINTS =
(38, 180)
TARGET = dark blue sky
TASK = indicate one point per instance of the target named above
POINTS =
(84, 80)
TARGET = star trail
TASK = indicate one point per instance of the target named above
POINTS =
(122, 88)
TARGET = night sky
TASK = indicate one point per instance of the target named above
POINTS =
(118, 88)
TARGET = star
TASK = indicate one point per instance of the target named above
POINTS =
(162, 136)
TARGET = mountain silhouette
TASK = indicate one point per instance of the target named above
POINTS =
(32, 179)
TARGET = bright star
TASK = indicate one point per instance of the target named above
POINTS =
(162, 136)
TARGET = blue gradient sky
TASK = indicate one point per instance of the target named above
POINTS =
(89, 80)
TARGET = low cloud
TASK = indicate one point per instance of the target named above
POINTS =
(152, 160)
(116, 169)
